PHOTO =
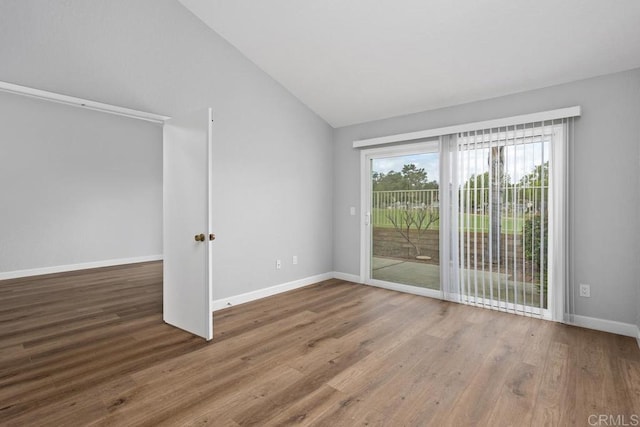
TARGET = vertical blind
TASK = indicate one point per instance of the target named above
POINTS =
(504, 211)
(508, 217)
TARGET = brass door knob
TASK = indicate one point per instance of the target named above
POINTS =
(212, 236)
(200, 237)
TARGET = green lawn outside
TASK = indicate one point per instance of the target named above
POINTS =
(468, 222)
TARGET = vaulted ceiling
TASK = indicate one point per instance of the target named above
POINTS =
(353, 61)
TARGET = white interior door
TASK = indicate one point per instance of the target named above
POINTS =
(187, 282)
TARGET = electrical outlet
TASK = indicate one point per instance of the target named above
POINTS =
(352, 210)
(278, 264)
(295, 259)
(585, 290)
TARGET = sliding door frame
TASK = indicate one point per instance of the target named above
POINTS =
(449, 273)
(432, 146)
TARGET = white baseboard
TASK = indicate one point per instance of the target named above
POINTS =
(74, 267)
(266, 292)
(346, 276)
(626, 329)
(638, 335)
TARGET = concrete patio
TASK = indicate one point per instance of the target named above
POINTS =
(424, 275)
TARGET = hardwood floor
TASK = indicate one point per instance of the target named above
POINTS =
(90, 348)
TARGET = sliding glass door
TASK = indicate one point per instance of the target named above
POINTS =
(476, 217)
(403, 204)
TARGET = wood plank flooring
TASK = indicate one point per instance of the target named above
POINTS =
(90, 348)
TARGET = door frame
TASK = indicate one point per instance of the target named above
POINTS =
(558, 231)
(431, 145)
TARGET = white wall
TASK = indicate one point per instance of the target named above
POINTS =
(76, 186)
(272, 157)
(607, 202)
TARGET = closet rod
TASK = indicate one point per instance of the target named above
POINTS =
(82, 103)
